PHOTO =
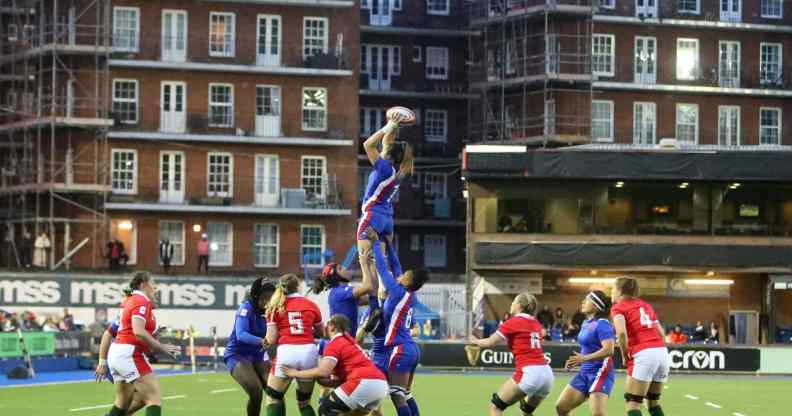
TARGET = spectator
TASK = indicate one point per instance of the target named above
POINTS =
(29, 321)
(14, 323)
(571, 330)
(578, 318)
(50, 325)
(3, 322)
(67, 323)
(40, 257)
(714, 334)
(699, 333)
(677, 336)
(545, 317)
(203, 253)
(559, 318)
(165, 254)
(123, 257)
(26, 248)
(112, 255)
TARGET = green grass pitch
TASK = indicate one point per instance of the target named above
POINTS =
(437, 394)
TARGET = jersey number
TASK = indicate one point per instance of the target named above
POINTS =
(296, 323)
(408, 321)
(646, 320)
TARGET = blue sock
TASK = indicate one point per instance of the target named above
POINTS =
(403, 411)
(413, 406)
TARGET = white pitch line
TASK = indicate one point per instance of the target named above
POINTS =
(691, 397)
(665, 387)
(738, 414)
(80, 409)
(716, 406)
(221, 391)
(180, 396)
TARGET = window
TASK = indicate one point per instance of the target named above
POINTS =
(434, 250)
(314, 36)
(439, 7)
(173, 231)
(126, 29)
(11, 100)
(688, 6)
(770, 126)
(602, 121)
(607, 4)
(125, 100)
(396, 61)
(13, 32)
(728, 125)
(364, 59)
(772, 9)
(312, 242)
(687, 59)
(644, 122)
(221, 34)
(371, 119)
(124, 171)
(436, 125)
(415, 242)
(265, 245)
(603, 56)
(397, 5)
(436, 63)
(221, 243)
(313, 174)
(364, 4)
(220, 178)
(434, 185)
(221, 105)
(687, 123)
(770, 63)
(417, 54)
(314, 109)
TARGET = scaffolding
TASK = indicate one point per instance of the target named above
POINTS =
(54, 119)
(530, 65)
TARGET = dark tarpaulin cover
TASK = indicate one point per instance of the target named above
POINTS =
(659, 165)
(598, 254)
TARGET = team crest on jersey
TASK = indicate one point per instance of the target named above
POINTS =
(243, 312)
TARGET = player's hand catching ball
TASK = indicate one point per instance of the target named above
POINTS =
(172, 350)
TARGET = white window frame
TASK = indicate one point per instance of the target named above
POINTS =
(445, 253)
(229, 51)
(419, 58)
(607, 4)
(396, 61)
(322, 248)
(433, 138)
(321, 195)
(611, 40)
(126, 100)
(437, 11)
(12, 100)
(364, 5)
(229, 105)
(696, 68)
(644, 104)
(324, 39)
(696, 11)
(610, 104)
(739, 125)
(435, 178)
(257, 245)
(136, 40)
(397, 5)
(370, 120)
(780, 14)
(441, 61)
(698, 122)
(778, 111)
(182, 243)
(229, 242)
(134, 171)
(303, 109)
(210, 183)
(780, 64)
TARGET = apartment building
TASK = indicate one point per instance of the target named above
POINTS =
(413, 54)
(236, 119)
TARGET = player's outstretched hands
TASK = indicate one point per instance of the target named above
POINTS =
(101, 371)
(172, 350)
(574, 361)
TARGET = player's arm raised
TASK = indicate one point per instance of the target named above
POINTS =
(620, 326)
(139, 329)
(493, 341)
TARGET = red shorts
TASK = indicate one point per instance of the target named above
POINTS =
(127, 363)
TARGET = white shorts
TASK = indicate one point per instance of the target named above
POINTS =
(298, 357)
(650, 365)
(535, 380)
(363, 393)
(127, 363)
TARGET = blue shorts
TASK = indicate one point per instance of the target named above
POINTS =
(380, 359)
(404, 358)
(595, 381)
(232, 360)
(381, 223)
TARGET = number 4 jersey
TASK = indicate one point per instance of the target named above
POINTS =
(296, 322)
(641, 323)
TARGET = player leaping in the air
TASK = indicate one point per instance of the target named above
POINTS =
(640, 338)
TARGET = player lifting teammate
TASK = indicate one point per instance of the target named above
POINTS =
(292, 323)
(640, 337)
(533, 378)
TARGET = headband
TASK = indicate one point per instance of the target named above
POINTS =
(598, 303)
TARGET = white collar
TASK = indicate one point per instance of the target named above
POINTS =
(140, 292)
(294, 295)
(525, 315)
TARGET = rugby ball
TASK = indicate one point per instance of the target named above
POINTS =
(407, 116)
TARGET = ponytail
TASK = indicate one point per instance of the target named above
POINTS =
(287, 285)
(138, 280)
(407, 164)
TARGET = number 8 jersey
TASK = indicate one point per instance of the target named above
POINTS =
(640, 321)
(297, 321)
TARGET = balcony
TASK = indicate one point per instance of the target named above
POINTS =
(403, 88)
(63, 39)
(482, 11)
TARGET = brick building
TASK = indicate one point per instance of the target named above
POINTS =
(237, 119)
(413, 54)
